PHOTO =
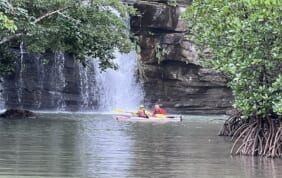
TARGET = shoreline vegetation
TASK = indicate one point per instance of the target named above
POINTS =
(242, 40)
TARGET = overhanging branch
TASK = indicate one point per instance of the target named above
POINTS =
(48, 14)
(69, 18)
(8, 38)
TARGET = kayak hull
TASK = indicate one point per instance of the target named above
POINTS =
(151, 119)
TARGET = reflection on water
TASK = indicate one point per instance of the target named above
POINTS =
(80, 145)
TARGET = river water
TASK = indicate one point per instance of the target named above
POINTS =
(95, 145)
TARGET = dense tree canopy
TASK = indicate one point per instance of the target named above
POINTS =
(243, 40)
(84, 28)
(6, 24)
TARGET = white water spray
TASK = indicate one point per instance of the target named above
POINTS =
(20, 82)
(119, 89)
(87, 86)
(59, 80)
(2, 101)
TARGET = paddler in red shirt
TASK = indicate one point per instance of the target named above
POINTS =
(158, 112)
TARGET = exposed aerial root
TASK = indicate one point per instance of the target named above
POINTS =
(254, 136)
(231, 125)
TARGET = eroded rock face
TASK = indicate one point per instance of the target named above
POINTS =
(186, 88)
(49, 81)
(170, 69)
(161, 31)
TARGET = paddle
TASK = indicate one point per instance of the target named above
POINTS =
(160, 115)
(121, 111)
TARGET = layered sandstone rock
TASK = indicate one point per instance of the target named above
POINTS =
(170, 70)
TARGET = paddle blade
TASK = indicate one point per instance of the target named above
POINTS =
(160, 115)
(118, 111)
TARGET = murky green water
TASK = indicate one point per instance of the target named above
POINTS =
(93, 145)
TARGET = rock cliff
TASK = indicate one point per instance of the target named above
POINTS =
(50, 81)
(170, 69)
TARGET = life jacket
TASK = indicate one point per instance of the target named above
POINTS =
(157, 112)
(142, 113)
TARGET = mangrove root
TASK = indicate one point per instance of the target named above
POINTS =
(254, 136)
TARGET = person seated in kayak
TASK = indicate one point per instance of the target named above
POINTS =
(142, 112)
(158, 112)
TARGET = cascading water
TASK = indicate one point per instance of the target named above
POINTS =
(87, 87)
(119, 89)
(38, 83)
(2, 102)
(37, 95)
(20, 81)
(56, 81)
(59, 80)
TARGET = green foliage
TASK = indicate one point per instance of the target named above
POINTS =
(45, 61)
(93, 28)
(173, 3)
(6, 23)
(277, 101)
(243, 40)
(159, 52)
(7, 63)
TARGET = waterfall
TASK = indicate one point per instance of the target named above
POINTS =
(59, 80)
(2, 101)
(50, 76)
(38, 82)
(119, 89)
(20, 81)
(84, 86)
(37, 94)
(55, 81)
(87, 86)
